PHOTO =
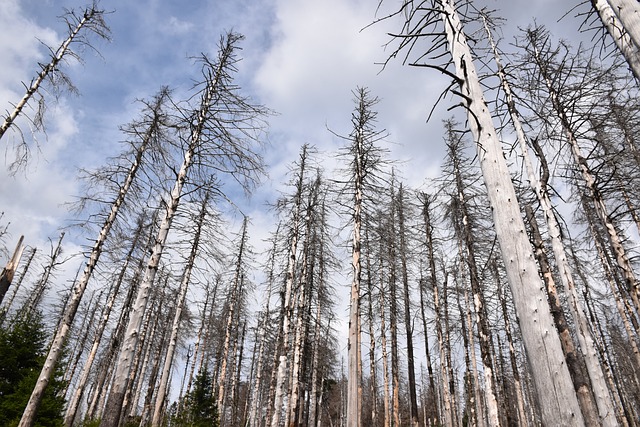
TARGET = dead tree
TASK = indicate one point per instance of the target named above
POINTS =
(440, 21)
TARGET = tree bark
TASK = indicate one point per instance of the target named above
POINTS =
(10, 269)
(177, 317)
(553, 383)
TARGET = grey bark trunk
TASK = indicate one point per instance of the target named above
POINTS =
(553, 383)
(175, 326)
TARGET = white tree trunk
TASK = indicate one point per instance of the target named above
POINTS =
(175, 327)
(7, 273)
(619, 35)
(125, 359)
(88, 16)
(234, 299)
(558, 401)
(598, 381)
(287, 304)
(628, 12)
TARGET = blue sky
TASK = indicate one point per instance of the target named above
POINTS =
(301, 58)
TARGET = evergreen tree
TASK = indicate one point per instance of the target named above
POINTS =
(22, 352)
(200, 409)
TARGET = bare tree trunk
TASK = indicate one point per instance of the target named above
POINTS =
(362, 163)
(431, 399)
(553, 382)
(473, 389)
(462, 224)
(385, 361)
(393, 313)
(30, 306)
(373, 363)
(450, 375)
(287, 303)
(256, 402)
(5, 309)
(407, 309)
(6, 277)
(628, 13)
(80, 287)
(175, 327)
(95, 406)
(314, 405)
(116, 394)
(83, 336)
(618, 34)
(235, 301)
(589, 180)
(426, 201)
(91, 18)
(515, 371)
(572, 357)
(75, 400)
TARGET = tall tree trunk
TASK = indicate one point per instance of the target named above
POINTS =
(256, 400)
(426, 201)
(628, 12)
(287, 303)
(431, 399)
(6, 277)
(472, 380)
(81, 285)
(407, 309)
(572, 357)
(373, 363)
(177, 317)
(450, 376)
(235, 302)
(7, 306)
(553, 383)
(618, 34)
(116, 394)
(30, 306)
(462, 224)
(515, 371)
(390, 243)
(92, 19)
(74, 402)
(588, 177)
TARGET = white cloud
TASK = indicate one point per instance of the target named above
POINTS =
(178, 27)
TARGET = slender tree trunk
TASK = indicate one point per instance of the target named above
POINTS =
(393, 313)
(235, 301)
(90, 15)
(95, 405)
(74, 402)
(116, 394)
(573, 358)
(177, 317)
(590, 181)
(407, 309)
(385, 360)
(81, 285)
(463, 228)
(30, 306)
(448, 364)
(6, 277)
(515, 371)
(426, 201)
(373, 363)
(430, 397)
(553, 383)
(7, 306)
(287, 304)
(618, 34)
